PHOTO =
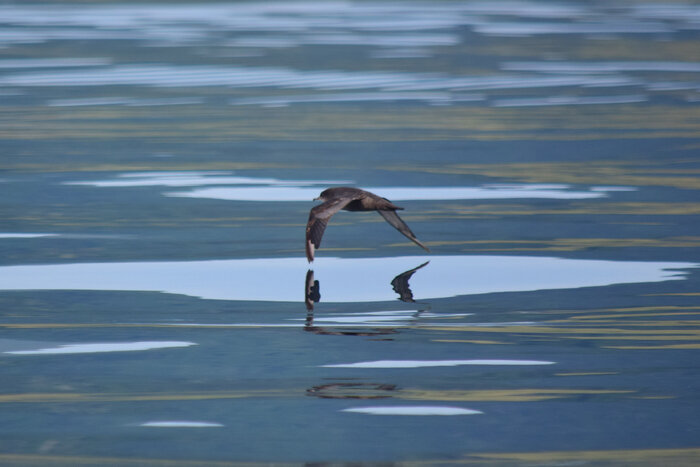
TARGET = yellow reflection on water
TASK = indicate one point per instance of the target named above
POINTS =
(491, 395)
(645, 457)
(654, 347)
(502, 395)
(688, 457)
(594, 172)
(567, 244)
(336, 123)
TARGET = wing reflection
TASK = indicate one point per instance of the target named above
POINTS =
(312, 287)
(400, 284)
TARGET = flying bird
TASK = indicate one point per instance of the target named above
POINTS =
(350, 199)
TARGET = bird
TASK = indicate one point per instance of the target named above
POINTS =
(350, 199)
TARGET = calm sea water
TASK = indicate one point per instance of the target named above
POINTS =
(158, 164)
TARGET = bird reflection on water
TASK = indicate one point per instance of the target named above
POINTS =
(312, 290)
(400, 284)
(353, 391)
(312, 295)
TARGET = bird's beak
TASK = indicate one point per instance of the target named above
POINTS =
(318, 198)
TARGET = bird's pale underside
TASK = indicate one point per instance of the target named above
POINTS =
(350, 199)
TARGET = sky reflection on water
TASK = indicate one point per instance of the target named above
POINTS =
(272, 189)
(101, 347)
(180, 424)
(412, 410)
(393, 193)
(197, 178)
(342, 279)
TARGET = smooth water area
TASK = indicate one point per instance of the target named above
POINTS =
(158, 164)
(345, 280)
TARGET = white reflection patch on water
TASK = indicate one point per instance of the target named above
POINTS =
(101, 347)
(412, 410)
(194, 178)
(27, 235)
(53, 62)
(435, 363)
(292, 193)
(287, 78)
(383, 317)
(180, 424)
(377, 317)
(341, 279)
(62, 235)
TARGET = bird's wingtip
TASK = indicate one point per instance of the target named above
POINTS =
(421, 244)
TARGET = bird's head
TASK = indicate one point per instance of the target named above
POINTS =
(323, 196)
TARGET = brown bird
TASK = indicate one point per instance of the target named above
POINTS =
(350, 199)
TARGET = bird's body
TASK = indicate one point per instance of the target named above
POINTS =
(350, 199)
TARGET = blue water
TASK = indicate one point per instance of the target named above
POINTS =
(158, 165)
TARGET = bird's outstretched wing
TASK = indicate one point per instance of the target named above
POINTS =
(318, 220)
(392, 218)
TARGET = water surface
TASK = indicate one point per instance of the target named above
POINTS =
(159, 163)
